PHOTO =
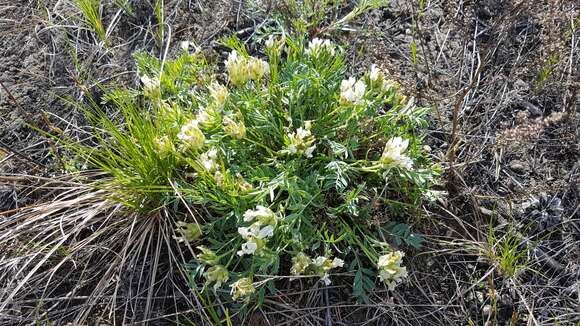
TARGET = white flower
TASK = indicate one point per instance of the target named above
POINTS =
(394, 153)
(184, 45)
(208, 160)
(260, 211)
(248, 248)
(352, 91)
(301, 141)
(317, 45)
(242, 289)
(265, 232)
(390, 270)
(233, 128)
(326, 279)
(337, 262)
(375, 73)
(319, 261)
(150, 85)
(255, 231)
(191, 136)
(219, 93)
(270, 42)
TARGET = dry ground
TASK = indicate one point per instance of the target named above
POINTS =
(502, 76)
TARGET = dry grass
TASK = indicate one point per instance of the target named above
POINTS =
(81, 256)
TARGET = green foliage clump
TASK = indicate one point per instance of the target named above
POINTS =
(272, 167)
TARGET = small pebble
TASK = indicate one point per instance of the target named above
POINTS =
(517, 166)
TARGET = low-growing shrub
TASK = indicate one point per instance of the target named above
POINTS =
(288, 156)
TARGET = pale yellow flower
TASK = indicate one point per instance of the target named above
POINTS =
(207, 256)
(164, 146)
(390, 270)
(188, 232)
(191, 136)
(218, 274)
(352, 91)
(316, 46)
(242, 289)
(300, 263)
(219, 93)
(394, 153)
(233, 128)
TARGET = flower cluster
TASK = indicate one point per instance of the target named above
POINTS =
(352, 91)
(234, 126)
(218, 275)
(390, 270)
(209, 160)
(317, 46)
(302, 264)
(191, 136)
(243, 69)
(264, 220)
(219, 93)
(242, 289)
(301, 141)
(188, 231)
(394, 154)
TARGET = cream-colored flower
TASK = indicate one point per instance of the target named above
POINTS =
(275, 44)
(394, 153)
(191, 136)
(325, 264)
(219, 178)
(237, 68)
(207, 256)
(233, 128)
(242, 289)
(209, 160)
(218, 274)
(352, 91)
(301, 141)
(243, 184)
(207, 116)
(375, 73)
(390, 270)
(316, 46)
(188, 232)
(257, 68)
(219, 93)
(164, 146)
(242, 69)
(248, 248)
(151, 85)
(300, 263)
(270, 42)
(263, 214)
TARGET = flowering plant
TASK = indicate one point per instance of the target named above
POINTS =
(276, 166)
